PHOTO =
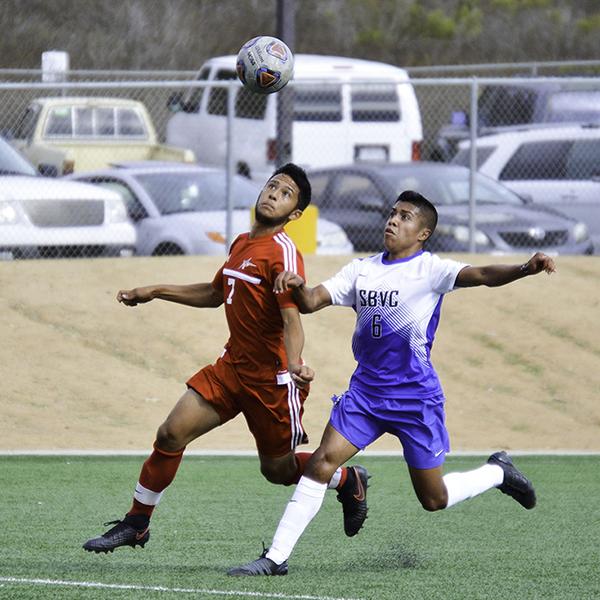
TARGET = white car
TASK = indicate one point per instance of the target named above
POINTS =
(181, 209)
(344, 110)
(558, 166)
(44, 217)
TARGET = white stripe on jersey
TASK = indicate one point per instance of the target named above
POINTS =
(290, 262)
(240, 275)
(294, 406)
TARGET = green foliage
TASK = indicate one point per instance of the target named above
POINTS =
(589, 25)
(150, 34)
(219, 509)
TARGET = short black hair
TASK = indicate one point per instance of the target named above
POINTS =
(300, 179)
(427, 210)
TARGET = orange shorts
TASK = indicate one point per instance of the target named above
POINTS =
(273, 412)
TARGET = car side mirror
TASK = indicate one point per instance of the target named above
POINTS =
(175, 102)
(48, 170)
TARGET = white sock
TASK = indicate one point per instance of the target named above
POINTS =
(299, 512)
(335, 480)
(461, 486)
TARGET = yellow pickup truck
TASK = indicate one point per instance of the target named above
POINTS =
(66, 134)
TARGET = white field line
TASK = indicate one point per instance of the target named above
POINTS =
(398, 453)
(160, 588)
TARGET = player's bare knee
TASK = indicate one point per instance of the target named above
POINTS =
(168, 438)
(274, 474)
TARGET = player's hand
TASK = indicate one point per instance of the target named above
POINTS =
(539, 262)
(302, 375)
(287, 280)
(135, 296)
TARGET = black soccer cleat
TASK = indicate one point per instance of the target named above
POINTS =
(515, 484)
(353, 496)
(261, 566)
(122, 534)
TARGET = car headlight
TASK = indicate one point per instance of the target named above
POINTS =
(115, 211)
(8, 213)
(336, 238)
(461, 234)
(580, 232)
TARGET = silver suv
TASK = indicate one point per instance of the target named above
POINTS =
(559, 166)
(507, 107)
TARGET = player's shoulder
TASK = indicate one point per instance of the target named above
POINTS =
(284, 250)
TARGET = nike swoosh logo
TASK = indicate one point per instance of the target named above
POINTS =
(359, 496)
(139, 535)
(438, 453)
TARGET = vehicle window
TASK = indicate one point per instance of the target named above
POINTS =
(59, 122)
(317, 103)
(217, 100)
(375, 103)
(452, 186)
(463, 156)
(26, 124)
(577, 106)
(135, 209)
(504, 105)
(83, 123)
(354, 191)
(193, 192)
(130, 123)
(318, 184)
(537, 160)
(105, 122)
(583, 160)
(195, 96)
(249, 105)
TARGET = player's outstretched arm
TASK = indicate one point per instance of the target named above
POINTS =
(496, 275)
(308, 299)
(197, 294)
(293, 338)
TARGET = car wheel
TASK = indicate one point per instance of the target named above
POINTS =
(167, 249)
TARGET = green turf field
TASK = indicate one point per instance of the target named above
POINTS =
(219, 510)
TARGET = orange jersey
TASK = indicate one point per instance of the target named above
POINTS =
(255, 346)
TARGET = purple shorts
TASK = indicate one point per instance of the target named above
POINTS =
(419, 424)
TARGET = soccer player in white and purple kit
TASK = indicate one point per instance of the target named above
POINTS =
(397, 296)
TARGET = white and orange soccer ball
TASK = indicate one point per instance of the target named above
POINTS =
(265, 64)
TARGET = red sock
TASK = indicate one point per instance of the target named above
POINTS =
(301, 459)
(157, 473)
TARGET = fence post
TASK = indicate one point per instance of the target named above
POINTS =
(229, 166)
(473, 126)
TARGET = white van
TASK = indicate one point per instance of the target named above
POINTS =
(344, 110)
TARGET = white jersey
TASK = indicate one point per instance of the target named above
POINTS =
(397, 306)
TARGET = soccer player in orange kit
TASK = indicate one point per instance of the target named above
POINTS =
(259, 374)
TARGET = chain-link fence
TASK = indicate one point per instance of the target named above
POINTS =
(512, 164)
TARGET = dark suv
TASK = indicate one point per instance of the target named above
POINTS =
(505, 107)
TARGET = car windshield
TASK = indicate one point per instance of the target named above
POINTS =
(12, 163)
(451, 186)
(196, 192)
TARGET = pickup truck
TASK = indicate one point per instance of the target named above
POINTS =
(66, 134)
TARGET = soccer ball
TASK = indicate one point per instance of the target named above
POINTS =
(265, 64)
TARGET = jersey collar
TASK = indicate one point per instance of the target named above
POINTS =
(386, 261)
